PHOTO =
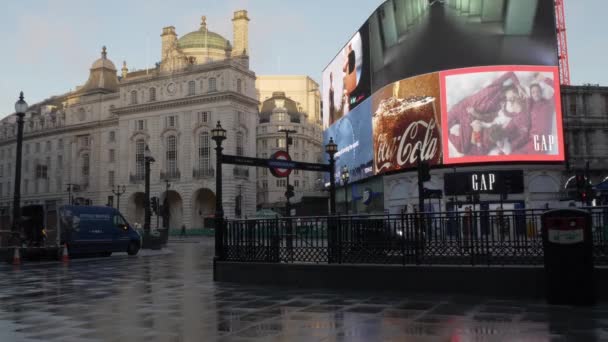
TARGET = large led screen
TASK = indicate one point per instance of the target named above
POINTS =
(406, 123)
(346, 79)
(414, 37)
(450, 82)
(508, 113)
(353, 135)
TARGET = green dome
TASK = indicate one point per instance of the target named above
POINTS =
(202, 39)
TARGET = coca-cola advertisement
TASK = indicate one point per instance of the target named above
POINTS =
(502, 113)
(406, 124)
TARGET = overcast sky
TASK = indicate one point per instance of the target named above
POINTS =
(49, 45)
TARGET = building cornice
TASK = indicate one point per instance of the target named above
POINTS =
(209, 67)
(186, 101)
(63, 130)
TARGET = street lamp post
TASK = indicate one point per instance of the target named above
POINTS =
(148, 159)
(118, 192)
(345, 177)
(288, 192)
(218, 134)
(166, 210)
(20, 109)
(331, 148)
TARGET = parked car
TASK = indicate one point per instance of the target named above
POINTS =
(96, 230)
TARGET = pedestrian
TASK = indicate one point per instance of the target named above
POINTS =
(183, 232)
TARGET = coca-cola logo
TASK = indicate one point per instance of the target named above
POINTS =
(400, 150)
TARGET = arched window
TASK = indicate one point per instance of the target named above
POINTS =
(239, 85)
(204, 152)
(152, 94)
(134, 97)
(239, 144)
(172, 156)
(140, 146)
(212, 84)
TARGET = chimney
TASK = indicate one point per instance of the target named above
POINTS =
(240, 32)
(168, 40)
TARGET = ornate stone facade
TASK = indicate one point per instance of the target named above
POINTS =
(93, 138)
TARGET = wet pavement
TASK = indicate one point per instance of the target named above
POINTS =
(169, 295)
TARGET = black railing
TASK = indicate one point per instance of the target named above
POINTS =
(174, 174)
(203, 173)
(136, 178)
(509, 237)
(241, 172)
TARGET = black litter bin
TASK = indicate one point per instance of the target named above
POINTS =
(568, 253)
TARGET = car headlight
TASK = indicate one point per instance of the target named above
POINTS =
(399, 232)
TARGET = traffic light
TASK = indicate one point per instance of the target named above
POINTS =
(289, 193)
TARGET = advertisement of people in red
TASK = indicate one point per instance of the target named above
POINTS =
(501, 113)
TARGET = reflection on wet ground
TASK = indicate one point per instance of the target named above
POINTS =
(170, 296)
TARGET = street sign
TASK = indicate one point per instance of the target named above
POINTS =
(280, 164)
(274, 163)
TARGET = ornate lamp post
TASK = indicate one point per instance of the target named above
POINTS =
(20, 109)
(118, 192)
(218, 134)
(148, 159)
(345, 177)
(331, 148)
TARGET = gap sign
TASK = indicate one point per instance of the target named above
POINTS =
(488, 182)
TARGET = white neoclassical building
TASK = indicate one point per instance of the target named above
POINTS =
(84, 143)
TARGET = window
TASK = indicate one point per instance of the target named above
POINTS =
(48, 146)
(1, 192)
(281, 116)
(171, 121)
(295, 142)
(281, 142)
(296, 172)
(85, 165)
(60, 144)
(112, 136)
(26, 185)
(152, 94)
(37, 147)
(573, 109)
(265, 184)
(204, 152)
(26, 166)
(59, 162)
(48, 163)
(240, 117)
(212, 84)
(140, 146)
(84, 141)
(27, 150)
(191, 88)
(111, 156)
(203, 117)
(296, 183)
(111, 178)
(239, 144)
(133, 97)
(172, 155)
(58, 184)
(1, 173)
(140, 125)
(264, 171)
(264, 143)
(239, 85)
(41, 171)
(281, 183)
(2, 153)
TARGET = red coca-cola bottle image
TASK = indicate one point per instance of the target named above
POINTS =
(401, 127)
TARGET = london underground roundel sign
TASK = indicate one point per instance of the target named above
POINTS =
(277, 159)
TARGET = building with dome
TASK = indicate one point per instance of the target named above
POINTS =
(280, 112)
(80, 145)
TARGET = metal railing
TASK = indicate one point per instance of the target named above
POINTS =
(509, 237)
(136, 178)
(203, 173)
(174, 174)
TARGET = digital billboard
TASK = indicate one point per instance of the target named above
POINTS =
(452, 81)
(353, 135)
(501, 113)
(346, 79)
